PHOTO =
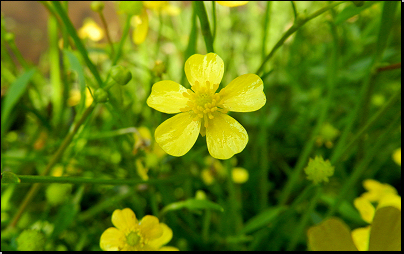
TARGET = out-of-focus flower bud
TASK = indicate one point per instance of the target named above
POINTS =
(121, 75)
(100, 95)
(97, 6)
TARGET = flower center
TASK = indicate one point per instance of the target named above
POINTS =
(203, 101)
(133, 238)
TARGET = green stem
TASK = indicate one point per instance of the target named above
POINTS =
(304, 220)
(200, 10)
(81, 180)
(265, 31)
(294, 10)
(214, 20)
(292, 30)
(72, 32)
(104, 22)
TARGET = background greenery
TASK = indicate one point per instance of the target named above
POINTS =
(326, 72)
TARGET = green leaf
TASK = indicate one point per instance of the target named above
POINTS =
(351, 11)
(262, 219)
(192, 205)
(9, 177)
(14, 93)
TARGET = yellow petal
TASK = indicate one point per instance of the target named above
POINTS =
(150, 227)
(232, 3)
(112, 240)
(204, 68)
(225, 136)
(390, 199)
(365, 208)
(360, 237)
(331, 235)
(385, 234)
(141, 24)
(177, 135)
(168, 248)
(164, 238)
(124, 219)
(397, 156)
(166, 96)
(244, 94)
(376, 190)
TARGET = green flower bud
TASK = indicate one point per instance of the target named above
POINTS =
(100, 95)
(31, 240)
(319, 170)
(121, 75)
(97, 6)
(9, 37)
(57, 193)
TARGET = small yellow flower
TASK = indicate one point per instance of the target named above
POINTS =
(203, 111)
(232, 3)
(319, 170)
(239, 175)
(383, 235)
(91, 30)
(131, 235)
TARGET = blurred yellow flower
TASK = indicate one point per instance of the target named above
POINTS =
(334, 235)
(239, 175)
(319, 170)
(141, 22)
(75, 97)
(203, 111)
(232, 3)
(214, 171)
(131, 235)
(397, 156)
(91, 30)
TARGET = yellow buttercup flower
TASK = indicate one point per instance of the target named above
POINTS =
(131, 235)
(232, 3)
(202, 110)
(91, 30)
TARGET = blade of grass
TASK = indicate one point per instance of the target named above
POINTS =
(200, 10)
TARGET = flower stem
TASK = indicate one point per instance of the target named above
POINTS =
(265, 31)
(104, 22)
(200, 10)
(214, 20)
(292, 30)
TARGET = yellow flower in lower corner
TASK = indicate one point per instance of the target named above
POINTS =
(203, 110)
(131, 235)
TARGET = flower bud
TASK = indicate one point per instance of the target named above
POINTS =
(121, 75)
(97, 6)
(31, 240)
(57, 193)
(100, 95)
(9, 37)
(319, 170)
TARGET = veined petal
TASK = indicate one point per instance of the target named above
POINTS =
(244, 94)
(167, 97)
(385, 233)
(225, 136)
(141, 24)
(150, 227)
(178, 134)
(124, 219)
(112, 239)
(204, 68)
(330, 235)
